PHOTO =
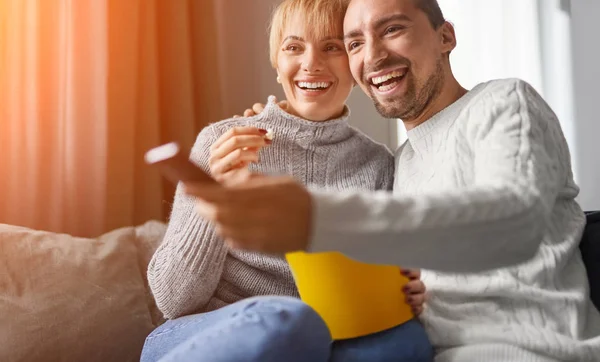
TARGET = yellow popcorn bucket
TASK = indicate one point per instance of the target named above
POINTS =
(353, 298)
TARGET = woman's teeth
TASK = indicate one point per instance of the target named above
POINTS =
(313, 86)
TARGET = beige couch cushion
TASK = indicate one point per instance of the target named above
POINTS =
(73, 299)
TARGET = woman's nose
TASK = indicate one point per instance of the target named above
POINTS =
(312, 61)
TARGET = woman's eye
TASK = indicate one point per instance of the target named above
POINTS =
(332, 48)
(292, 48)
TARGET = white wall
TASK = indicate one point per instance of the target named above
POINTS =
(549, 43)
(247, 76)
(586, 72)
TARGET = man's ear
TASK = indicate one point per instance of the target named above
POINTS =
(448, 37)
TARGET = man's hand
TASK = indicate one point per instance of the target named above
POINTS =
(414, 290)
(259, 107)
(272, 215)
(266, 214)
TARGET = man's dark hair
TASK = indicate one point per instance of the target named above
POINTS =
(433, 11)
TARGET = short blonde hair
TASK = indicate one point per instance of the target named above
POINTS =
(322, 17)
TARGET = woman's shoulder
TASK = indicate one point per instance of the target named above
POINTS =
(224, 125)
(259, 120)
(211, 132)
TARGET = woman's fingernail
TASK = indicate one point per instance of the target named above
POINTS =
(263, 131)
(268, 141)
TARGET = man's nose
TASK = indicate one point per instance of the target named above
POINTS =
(375, 52)
(312, 61)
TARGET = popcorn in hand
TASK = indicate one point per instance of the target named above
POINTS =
(269, 134)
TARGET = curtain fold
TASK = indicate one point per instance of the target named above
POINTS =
(86, 87)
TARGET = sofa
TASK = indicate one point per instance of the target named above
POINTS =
(590, 253)
(72, 299)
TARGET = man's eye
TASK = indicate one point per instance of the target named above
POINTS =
(353, 45)
(393, 29)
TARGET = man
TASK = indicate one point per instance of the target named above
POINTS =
(484, 195)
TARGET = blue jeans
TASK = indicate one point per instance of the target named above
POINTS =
(274, 329)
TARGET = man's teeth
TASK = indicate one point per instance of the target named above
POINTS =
(384, 78)
(387, 87)
(314, 85)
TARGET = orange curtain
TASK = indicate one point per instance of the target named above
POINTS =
(86, 87)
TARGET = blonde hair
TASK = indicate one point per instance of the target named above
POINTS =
(322, 17)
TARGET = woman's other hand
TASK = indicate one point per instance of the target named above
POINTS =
(231, 153)
(414, 290)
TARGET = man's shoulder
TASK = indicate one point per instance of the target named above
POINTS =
(504, 83)
(509, 89)
(503, 103)
(502, 96)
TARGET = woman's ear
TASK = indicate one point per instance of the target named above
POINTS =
(278, 78)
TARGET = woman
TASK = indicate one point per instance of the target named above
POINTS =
(246, 303)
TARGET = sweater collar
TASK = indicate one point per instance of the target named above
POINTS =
(441, 120)
(333, 130)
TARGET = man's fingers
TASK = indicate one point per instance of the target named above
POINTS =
(205, 209)
(207, 192)
(245, 195)
(412, 273)
(258, 108)
(416, 300)
(283, 105)
(414, 287)
(417, 311)
(235, 176)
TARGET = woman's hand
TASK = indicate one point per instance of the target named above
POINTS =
(231, 153)
(414, 290)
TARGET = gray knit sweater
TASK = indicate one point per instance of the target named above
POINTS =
(194, 271)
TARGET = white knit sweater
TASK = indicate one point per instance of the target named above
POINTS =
(486, 183)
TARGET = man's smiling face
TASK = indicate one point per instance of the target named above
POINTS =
(396, 55)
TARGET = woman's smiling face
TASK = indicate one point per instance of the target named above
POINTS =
(313, 70)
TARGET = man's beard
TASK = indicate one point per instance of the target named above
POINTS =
(413, 102)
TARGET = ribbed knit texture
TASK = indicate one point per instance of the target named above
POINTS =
(194, 271)
(485, 183)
